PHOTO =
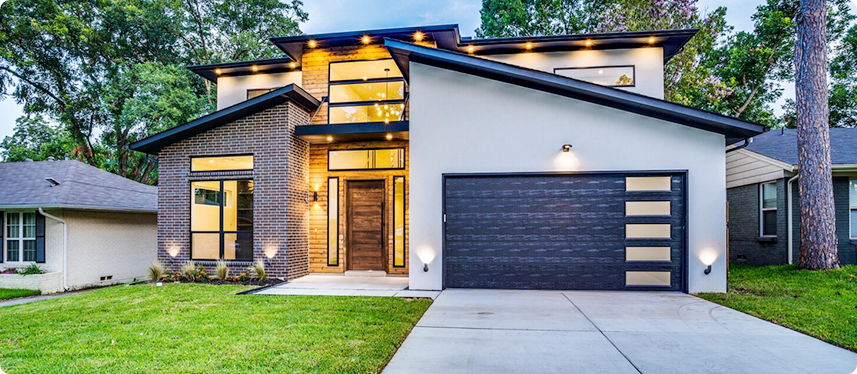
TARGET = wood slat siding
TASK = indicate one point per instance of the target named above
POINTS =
(742, 169)
(318, 211)
(315, 69)
(551, 232)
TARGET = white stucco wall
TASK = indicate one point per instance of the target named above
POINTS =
(648, 63)
(233, 90)
(462, 123)
(104, 243)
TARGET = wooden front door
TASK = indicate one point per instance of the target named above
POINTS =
(365, 225)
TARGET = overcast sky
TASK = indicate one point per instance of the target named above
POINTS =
(341, 15)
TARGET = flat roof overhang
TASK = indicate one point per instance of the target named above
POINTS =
(230, 69)
(351, 132)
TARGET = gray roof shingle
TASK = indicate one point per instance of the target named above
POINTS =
(782, 145)
(23, 184)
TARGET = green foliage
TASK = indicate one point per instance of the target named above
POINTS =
(221, 270)
(822, 303)
(8, 293)
(510, 18)
(35, 139)
(193, 273)
(195, 328)
(156, 271)
(259, 268)
(31, 269)
(111, 72)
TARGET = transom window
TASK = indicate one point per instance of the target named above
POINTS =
(21, 236)
(256, 92)
(222, 163)
(366, 91)
(366, 159)
(221, 220)
(611, 76)
(852, 188)
(768, 207)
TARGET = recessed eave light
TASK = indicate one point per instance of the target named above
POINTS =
(366, 39)
(588, 43)
(218, 71)
(470, 49)
(312, 43)
(418, 36)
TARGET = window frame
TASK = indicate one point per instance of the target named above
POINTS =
(329, 193)
(762, 208)
(404, 221)
(852, 207)
(20, 239)
(633, 73)
(221, 233)
(404, 158)
(247, 91)
(331, 82)
(190, 162)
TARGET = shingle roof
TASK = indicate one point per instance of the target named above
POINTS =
(23, 185)
(782, 145)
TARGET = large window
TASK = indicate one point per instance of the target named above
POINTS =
(333, 221)
(366, 159)
(222, 163)
(221, 220)
(768, 207)
(398, 221)
(611, 76)
(366, 91)
(20, 236)
(853, 207)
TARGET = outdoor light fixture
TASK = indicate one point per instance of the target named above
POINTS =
(329, 138)
(366, 39)
(254, 68)
(418, 36)
(651, 40)
(470, 49)
(566, 147)
(293, 65)
(707, 270)
(315, 196)
(707, 256)
(312, 44)
(425, 268)
(588, 43)
(389, 136)
(218, 71)
(529, 45)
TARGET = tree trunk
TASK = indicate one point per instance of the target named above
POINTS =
(818, 244)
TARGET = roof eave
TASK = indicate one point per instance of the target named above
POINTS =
(78, 207)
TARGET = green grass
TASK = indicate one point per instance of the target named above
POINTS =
(8, 293)
(822, 304)
(191, 328)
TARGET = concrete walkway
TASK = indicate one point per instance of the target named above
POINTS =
(347, 285)
(33, 299)
(501, 331)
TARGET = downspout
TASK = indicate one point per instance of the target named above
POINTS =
(790, 218)
(64, 247)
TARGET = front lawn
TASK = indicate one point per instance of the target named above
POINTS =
(819, 303)
(192, 328)
(8, 293)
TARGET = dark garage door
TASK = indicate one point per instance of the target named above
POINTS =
(600, 231)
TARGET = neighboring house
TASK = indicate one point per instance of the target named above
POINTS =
(762, 189)
(544, 162)
(94, 227)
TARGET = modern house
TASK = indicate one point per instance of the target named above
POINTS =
(545, 162)
(762, 180)
(87, 226)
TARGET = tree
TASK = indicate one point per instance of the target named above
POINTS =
(34, 139)
(510, 18)
(818, 243)
(843, 90)
(111, 71)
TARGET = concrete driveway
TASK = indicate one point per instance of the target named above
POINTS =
(503, 331)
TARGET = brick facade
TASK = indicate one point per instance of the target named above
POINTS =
(744, 242)
(280, 182)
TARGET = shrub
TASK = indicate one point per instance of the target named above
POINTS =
(8, 270)
(259, 269)
(188, 271)
(156, 271)
(172, 276)
(30, 270)
(221, 270)
(243, 277)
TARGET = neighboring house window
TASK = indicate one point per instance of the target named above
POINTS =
(221, 220)
(611, 76)
(366, 159)
(853, 207)
(256, 92)
(768, 204)
(20, 236)
(365, 91)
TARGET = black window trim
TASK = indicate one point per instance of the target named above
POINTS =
(329, 193)
(404, 158)
(633, 73)
(404, 218)
(247, 91)
(191, 158)
(221, 233)
(331, 82)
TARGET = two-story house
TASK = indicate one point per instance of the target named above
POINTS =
(544, 162)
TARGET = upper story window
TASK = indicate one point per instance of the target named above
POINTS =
(366, 91)
(256, 92)
(611, 76)
(366, 159)
(768, 206)
(222, 163)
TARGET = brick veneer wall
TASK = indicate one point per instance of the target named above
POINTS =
(280, 180)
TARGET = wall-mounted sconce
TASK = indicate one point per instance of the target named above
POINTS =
(707, 256)
(707, 270)
(425, 268)
(315, 196)
(566, 147)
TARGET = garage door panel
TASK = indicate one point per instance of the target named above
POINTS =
(558, 232)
